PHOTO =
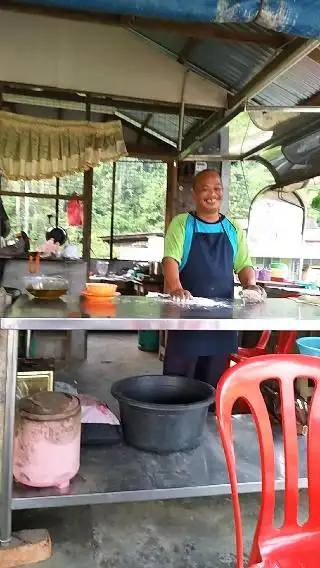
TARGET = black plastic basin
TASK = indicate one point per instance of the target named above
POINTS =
(163, 414)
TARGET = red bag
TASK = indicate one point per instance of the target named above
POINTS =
(75, 212)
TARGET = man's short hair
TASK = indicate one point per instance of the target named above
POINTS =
(200, 174)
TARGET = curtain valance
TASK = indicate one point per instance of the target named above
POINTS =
(32, 148)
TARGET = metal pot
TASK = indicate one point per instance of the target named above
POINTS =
(155, 269)
(58, 234)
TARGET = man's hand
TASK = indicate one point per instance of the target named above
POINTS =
(180, 294)
(254, 294)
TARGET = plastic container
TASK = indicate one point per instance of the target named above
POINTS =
(163, 414)
(148, 341)
(309, 346)
(279, 271)
(265, 275)
(47, 440)
(100, 289)
(46, 287)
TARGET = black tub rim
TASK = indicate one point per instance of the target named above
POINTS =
(163, 407)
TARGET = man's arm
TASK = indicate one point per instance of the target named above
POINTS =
(172, 279)
(173, 251)
(247, 277)
(243, 267)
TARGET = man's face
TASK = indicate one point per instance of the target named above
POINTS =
(208, 192)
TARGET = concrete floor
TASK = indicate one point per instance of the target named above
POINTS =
(194, 533)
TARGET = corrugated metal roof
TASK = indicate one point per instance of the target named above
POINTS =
(166, 125)
(228, 64)
(299, 83)
(232, 65)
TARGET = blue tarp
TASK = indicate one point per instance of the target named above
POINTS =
(194, 10)
(297, 17)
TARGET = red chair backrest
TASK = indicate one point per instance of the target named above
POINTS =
(285, 342)
(264, 339)
(243, 381)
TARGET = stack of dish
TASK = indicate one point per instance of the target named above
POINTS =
(100, 292)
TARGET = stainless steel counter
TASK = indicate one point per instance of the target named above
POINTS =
(121, 473)
(133, 313)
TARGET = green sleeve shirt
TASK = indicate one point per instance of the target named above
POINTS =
(179, 237)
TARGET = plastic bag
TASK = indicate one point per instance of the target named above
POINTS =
(75, 212)
(271, 393)
(95, 412)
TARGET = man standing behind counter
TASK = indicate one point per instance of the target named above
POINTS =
(202, 251)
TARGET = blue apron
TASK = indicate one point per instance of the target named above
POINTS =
(208, 273)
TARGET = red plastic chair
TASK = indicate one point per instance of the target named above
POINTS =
(284, 345)
(292, 545)
(259, 349)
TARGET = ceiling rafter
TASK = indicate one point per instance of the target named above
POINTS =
(148, 132)
(315, 55)
(187, 50)
(189, 29)
(43, 92)
(144, 125)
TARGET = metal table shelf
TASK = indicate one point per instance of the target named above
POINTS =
(121, 473)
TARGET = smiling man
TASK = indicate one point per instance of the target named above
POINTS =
(202, 251)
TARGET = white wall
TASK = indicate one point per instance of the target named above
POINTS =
(82, 56)
(152, 252)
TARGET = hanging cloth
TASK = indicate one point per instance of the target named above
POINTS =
(32, 148)
(75, 212)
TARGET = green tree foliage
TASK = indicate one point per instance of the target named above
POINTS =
(140, 194)
(247, 179)
(139, 203)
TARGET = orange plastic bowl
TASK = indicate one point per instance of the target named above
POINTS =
(99, 289)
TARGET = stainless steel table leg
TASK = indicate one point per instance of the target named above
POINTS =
(28, 343)
(8, 378)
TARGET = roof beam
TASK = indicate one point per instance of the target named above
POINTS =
(287, 58)
(315, 55)
(150, 133)
(101, 99)
(144, 125)
(313, 101)
(188, 29)
(187, 50)
(147, 153)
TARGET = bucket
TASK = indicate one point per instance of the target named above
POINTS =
(309, 346)
(163, 414)
(148, 341)
(279, 270)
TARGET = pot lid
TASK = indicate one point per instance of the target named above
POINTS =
(52, 405)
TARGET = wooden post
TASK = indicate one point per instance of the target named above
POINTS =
(113, 193)
(172, 189)
(87, 205)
